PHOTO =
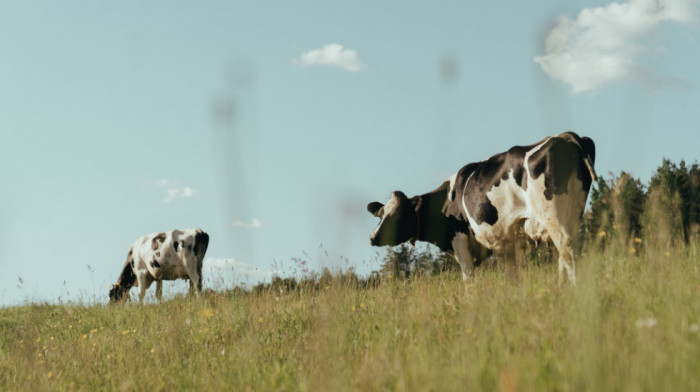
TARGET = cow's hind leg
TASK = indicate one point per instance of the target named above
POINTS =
(562, 241)
(159, 289)
(195, 281)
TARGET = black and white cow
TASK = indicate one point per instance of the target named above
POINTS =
(540, 189)
(162, 256)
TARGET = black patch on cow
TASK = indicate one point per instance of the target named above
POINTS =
(201, 242)
(158, 240)
(588, 148)
(486, 175)
(155, 264)
(127, 279)
(175, 245)
(559, 159)
(437, 222)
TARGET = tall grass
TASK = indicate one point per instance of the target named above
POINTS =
(631, 323)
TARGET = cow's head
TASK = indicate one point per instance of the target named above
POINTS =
(117, 293)
(399, 221)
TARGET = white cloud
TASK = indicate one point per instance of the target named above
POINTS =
(178, 193)
(254, 224)
(173, 189)
(332, 55)
(603, 45)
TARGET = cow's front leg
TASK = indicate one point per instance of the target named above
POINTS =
(460, 244)
(145, 281)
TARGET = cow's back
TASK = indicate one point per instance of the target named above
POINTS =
(156, 254)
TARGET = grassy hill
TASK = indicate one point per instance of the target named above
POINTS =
(632, 322)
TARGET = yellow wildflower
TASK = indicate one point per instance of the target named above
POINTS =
(260, 320)
(38, 339)
(49, 375)
(633, 251)
(206, 312)
(602, 234)
(637, 240)
(126, 332)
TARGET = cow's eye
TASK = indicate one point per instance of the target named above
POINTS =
(175, 245)
(189, 247)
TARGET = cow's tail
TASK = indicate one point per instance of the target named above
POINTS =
(591, 170)
(589, 156)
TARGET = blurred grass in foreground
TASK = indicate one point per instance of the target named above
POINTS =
(631, 323)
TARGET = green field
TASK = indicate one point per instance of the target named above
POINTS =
(632, 322)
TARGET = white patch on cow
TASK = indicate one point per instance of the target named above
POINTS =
(450, 194)
(528, 154)
(464, 204)
(509, 199)
(389, 209)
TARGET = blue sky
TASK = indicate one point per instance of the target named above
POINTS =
(271, 125)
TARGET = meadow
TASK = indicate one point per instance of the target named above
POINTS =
(632, 322)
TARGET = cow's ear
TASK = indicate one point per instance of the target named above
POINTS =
(398, 195)
(374, 208)
(175, 245)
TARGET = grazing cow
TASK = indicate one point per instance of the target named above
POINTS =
(162, 256)
(539, 189)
